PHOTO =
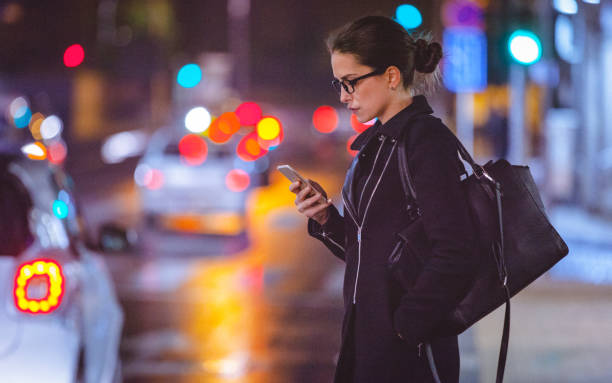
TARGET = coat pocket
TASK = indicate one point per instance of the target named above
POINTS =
(408, 256)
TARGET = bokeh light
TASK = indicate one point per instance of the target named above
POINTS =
(248, 148)
(197, 119)
(35, 151)
(12, 13)
(229, 123)
(20, 113)
(16, 107)
(25, 116)
(119, 146)
(237, 180)
(325, 119)
(568, 7)
(215, 134)
(57, 152)
(249, 113)
(74, 56)
(146, 176)
(189, 76)
(60, 209)
(525, 47)
(408, 16)
(268, 128)
(358, 126)
(352, 152)
(35, 123)
(51, 127)
(193, 149)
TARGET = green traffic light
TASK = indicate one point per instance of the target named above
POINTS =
(525, 47)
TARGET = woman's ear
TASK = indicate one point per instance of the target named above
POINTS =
(393, 77)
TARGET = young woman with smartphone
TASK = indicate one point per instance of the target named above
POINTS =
(381, 71)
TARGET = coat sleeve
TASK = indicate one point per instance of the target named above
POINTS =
(435, 170)
(331, 233)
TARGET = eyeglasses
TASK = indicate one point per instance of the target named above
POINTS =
(349, 85)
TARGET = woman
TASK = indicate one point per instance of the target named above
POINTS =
(374, 61)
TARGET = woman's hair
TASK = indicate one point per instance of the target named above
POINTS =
(379, 42)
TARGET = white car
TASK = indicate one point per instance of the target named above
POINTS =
(60, 320)
(178, 196)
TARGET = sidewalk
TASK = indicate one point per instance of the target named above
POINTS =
(561, 327)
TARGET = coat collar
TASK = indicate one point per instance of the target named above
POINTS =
(396, 125)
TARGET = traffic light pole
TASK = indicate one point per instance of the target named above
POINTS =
(516, 115)
(465, 119)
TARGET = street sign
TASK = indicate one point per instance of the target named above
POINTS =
(465, 61)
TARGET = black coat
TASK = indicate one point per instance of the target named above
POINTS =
(376, 310)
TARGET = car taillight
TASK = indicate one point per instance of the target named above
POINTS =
(39, 286)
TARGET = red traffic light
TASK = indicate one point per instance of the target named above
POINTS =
(74, 56)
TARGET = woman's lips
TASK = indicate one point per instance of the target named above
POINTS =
(353, 109)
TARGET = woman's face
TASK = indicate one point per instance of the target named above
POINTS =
(371, 94)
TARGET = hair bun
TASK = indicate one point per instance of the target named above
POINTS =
(427, 56)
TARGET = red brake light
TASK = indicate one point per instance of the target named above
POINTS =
(40, 271)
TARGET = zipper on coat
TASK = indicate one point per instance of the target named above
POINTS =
(326, 236)
(382, 139)
(358, 263)
(365, 213)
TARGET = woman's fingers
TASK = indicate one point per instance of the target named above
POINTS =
(301, 196)
(316, 209)
(295, 187)
(310, 202)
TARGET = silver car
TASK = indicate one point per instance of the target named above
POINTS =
(194, 198)
(60, 320)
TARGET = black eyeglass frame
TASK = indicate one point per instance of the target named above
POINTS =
(350, 88)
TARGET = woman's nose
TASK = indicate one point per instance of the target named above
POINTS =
(345, 97)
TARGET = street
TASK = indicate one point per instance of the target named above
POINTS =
(267, 307)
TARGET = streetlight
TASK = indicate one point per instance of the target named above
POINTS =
(525, 49)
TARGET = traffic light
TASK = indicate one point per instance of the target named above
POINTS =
(525, 47)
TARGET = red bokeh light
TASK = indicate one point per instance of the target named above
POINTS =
(249, 149)
(193, 148)
(74, 56)
(358, 126)
(249, 113)
(349, 143)
(325, 119)
(57, 152)
(237, 180)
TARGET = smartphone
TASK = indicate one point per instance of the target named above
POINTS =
(294, 176)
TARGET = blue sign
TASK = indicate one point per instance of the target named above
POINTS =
(465, 60)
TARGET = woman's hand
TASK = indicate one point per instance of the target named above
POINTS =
(309, 202)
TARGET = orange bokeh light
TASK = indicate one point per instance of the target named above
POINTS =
(229, 123)
(216, 134)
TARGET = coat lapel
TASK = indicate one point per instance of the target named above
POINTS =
(347, 190)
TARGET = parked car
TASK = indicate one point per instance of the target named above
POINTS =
(180, 196)
(60, 320)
